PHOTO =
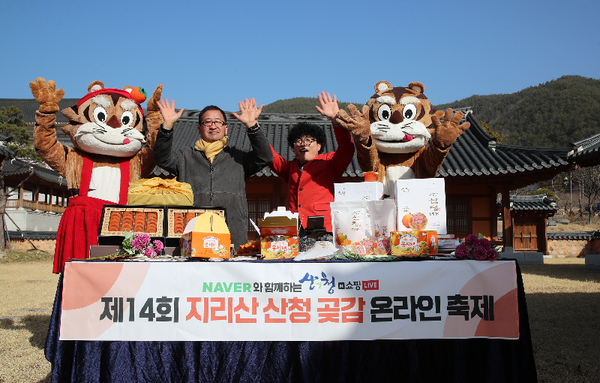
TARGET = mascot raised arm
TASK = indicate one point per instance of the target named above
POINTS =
(112, 146)
(399, 135)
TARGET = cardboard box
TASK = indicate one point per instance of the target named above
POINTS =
(177, 218)
(421, 204)
(206, 236)
(358, 191)
(118, 219)
(416, 243)
(279, 234)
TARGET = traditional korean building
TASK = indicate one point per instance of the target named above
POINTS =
(476, 170)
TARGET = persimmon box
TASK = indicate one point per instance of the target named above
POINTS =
(206, 236)
(278, 235)
(414, 243)
(421, 204)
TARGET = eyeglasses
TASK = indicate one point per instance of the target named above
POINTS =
(304, 141)
(217, 123)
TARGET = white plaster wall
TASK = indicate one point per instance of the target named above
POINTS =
(32, 220)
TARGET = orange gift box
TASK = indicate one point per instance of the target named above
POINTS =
(206, 236)
(278, 235)
(414, 243)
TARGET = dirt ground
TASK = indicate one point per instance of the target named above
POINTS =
(563, 300)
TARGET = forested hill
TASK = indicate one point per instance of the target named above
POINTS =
(553, 114)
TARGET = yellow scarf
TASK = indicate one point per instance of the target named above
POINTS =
(211, 149)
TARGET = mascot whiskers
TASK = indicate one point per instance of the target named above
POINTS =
(399, 135)
(112, 146)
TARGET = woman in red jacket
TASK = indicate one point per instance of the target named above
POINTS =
(311, 175)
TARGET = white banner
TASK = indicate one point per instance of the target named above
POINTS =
(294, 301)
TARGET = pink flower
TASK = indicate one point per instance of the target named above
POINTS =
(150, 252)
(480, 253)
(140, 241)
(158, 245)
(471, 240)
(462, 251)
(483, 242)
(492, 254)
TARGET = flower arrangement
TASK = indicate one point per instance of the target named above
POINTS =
(140, 244)
(476, 247)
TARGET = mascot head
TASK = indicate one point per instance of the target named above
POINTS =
(400, 117)
(107, 121)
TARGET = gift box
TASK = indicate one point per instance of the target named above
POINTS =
(177, 218)
(118, 219)
(357, 191)
(206, 236)
(414, 243)
(421, 204)
(158, 191)
(279, 234)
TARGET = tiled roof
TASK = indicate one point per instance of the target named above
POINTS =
(587, 151)
(18, 167)
(476, 153)
(29, 106)
(473, 155)
(532, 203)
(582, 235)
(29, 234)
(6, 152)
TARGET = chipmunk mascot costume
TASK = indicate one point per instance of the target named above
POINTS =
(393, 130)
(110, 150)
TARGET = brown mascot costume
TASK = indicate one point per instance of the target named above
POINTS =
(112, 146)
(393, 130)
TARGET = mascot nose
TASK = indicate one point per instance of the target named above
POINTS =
(396, 117)
(126, 141)
(114, 122)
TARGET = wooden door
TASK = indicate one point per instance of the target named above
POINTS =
(525, 236)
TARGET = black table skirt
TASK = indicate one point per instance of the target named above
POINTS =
(446, 360)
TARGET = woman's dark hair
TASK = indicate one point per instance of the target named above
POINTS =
(307, 129)
(211, 107)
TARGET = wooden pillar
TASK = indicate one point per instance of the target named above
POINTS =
(493, 214)
(36, 197)
(507, 221)
(20, 201)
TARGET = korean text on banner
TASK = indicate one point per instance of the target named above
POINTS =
(239, 301)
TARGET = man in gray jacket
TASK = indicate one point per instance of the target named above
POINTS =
(215, 171)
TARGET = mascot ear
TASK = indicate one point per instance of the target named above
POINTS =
(417, 87)
(382, 86)
(95, 85)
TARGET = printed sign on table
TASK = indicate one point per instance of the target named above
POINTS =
(295, 301)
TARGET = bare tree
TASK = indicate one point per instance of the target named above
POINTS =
(588, 180)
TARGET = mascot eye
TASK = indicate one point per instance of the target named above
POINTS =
(100, 114)
(409, 112)
(384, 112)
(127, 118)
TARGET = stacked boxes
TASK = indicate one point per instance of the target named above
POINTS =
(279, 234)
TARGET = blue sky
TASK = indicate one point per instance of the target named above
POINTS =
(220, 52)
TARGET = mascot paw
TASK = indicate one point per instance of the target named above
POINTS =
(356, 122)
(448, 131)
(46, 94)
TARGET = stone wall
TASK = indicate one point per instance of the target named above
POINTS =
(573, 245)
(46, 245)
